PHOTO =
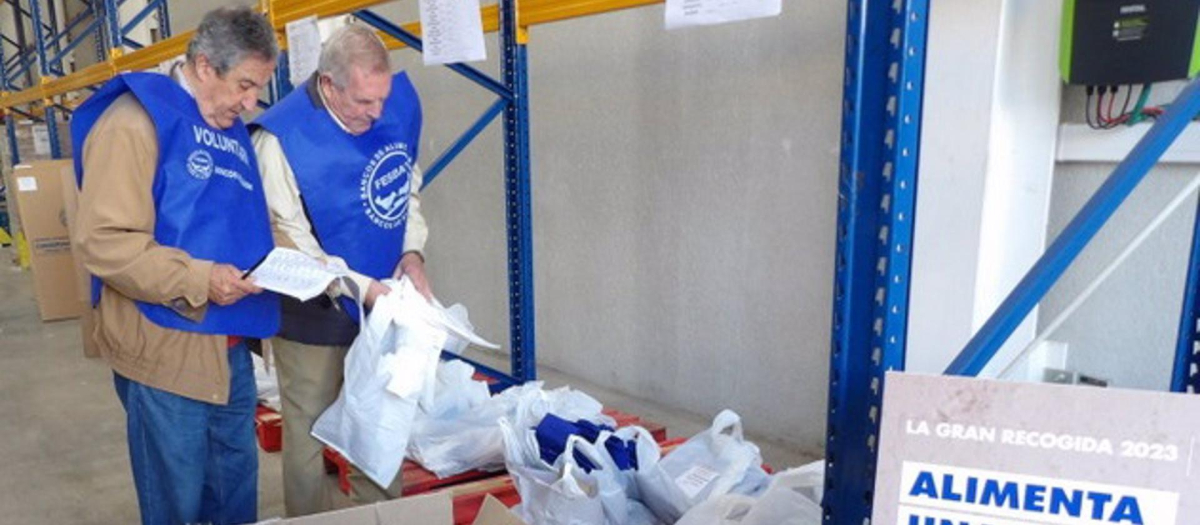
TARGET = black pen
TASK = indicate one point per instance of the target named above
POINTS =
(256, 265)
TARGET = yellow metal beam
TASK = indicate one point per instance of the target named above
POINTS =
(89, 76)
(27, 96)
(530, 12)
(536, 12)
(284, 11)
(151, 56)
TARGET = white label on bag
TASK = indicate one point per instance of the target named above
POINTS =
(695, 479)
(26, 184)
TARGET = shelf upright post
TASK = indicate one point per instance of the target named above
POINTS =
(163, 15)
(283, 78)
(1185, 377)
(22, 44)
(877, 184)
(112, 28)
(98, 15)
(9, 125)
(518, 194)
(54, 40)
(39, 38)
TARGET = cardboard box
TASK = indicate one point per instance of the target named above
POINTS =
(495, 513)
(33, 139)
(83, 279)
(427, 509)
(430, 509)
(39, 196)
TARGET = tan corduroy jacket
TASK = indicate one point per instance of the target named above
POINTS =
(115, 239)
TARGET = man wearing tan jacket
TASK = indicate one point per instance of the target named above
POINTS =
(338, 157)
(171, 214)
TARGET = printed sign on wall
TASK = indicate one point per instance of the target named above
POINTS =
(970, 451)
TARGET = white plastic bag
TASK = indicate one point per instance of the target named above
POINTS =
(450, 444)
(446, 437)
(457, 391)
(618, 488)
(793, 498)
(413, 362)
(368, 424)
(267, 385)
(712, 463)
(559, 494)
(458, 314)
(391, 369)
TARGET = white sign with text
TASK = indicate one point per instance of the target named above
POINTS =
(981, 452)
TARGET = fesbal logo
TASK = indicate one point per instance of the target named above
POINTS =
(385, 185)
(200, 164)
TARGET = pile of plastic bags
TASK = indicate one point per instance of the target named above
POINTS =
(715, 478)
(569, 462)
(463, 432)
(391, 373)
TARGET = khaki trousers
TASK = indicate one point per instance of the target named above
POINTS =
(310, 378)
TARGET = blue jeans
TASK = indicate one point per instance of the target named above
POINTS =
(194, 462)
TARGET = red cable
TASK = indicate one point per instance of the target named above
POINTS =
(1110, 118)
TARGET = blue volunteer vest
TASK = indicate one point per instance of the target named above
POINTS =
(355, 188)
(208, 198)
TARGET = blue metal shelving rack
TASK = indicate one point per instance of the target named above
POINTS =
(884, 80)
(99, 22)
(877, 185)
(512, 101)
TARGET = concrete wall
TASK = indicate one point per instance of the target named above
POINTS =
(684, 207)
(1126, 332)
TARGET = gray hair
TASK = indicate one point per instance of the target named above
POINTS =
(350, 46)
(229, 35)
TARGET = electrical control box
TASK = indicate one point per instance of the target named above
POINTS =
(1117, 42)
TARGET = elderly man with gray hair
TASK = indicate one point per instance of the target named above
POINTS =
(171, 212)
(339, 162)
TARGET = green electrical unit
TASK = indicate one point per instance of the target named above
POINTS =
(1119, 42)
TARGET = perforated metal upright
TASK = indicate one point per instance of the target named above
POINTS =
(518, 193)
(10, 127)
(1185, 377)
(47, 71)
(877, 184)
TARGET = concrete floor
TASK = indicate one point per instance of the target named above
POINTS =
(62, 436)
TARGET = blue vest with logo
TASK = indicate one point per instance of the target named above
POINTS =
(208, 198)
(355, 188)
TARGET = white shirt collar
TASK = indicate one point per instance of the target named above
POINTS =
(178, 76)
(325, 104)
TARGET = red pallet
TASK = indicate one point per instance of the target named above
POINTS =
(268, 425)
(418, 480)
(623, 419)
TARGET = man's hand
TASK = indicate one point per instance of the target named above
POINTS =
(226, 286)
(413, 265)
(375, 290)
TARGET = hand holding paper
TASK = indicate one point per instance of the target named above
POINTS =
(294, 273)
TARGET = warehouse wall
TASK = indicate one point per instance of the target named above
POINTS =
(1126, 332)
(684, 207)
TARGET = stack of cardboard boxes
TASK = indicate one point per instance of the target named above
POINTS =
(33, 141)
(44, 195)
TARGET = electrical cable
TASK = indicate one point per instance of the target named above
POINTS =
(1100, 120)
(1124, 116)
(1087, 108)
(1139, 108)
(1109, 119)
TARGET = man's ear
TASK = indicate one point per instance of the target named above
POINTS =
(204, 68)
